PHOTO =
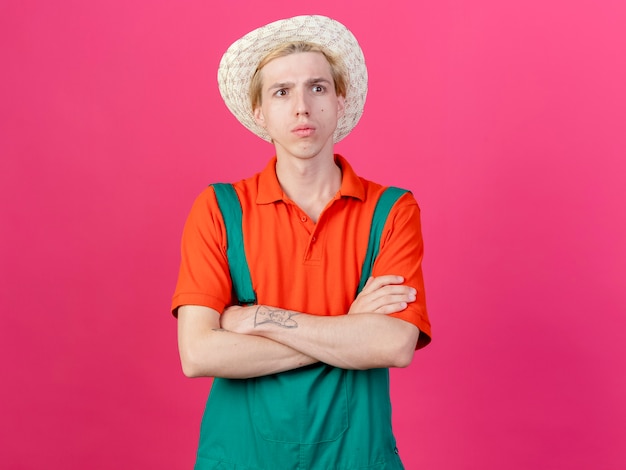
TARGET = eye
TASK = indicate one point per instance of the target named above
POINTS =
(281, 92)
(318, 89)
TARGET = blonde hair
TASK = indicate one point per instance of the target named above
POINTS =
(337, 69)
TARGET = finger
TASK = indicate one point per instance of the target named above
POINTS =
(374, 283)
(379, 304)
(392, 308)
(391, 294)
(381, 294)
(382, 302)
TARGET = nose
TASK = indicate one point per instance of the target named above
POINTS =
(301, 104)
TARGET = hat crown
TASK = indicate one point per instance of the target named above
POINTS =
(242, 58)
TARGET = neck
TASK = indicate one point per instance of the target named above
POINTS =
(310, 183)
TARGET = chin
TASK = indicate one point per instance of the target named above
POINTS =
(301, 152)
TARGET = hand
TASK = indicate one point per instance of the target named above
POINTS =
(383, 294)
(235, 318)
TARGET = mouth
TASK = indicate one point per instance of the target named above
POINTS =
(303, 130)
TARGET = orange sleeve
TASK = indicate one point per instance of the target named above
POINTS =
(203, 277)
(401, 253)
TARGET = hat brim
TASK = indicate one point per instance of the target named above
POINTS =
(240, 61)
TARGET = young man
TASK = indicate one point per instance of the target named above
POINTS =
(301, 366)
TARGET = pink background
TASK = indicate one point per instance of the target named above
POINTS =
(506, 119)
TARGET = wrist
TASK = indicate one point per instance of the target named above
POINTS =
(267, 319)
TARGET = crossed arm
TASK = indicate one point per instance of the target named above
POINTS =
(258, 340)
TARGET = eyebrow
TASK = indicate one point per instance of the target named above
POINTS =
(313, 81)
(310, 81)
(279, 85)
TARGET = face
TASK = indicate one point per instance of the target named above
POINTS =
(299, 107)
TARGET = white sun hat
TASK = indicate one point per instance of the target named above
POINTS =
(240, 61)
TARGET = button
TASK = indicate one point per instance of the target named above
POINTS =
(303, 218)
(313, 239)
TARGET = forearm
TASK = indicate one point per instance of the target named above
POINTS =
(356, 341)
(206, 350)
(235, 356)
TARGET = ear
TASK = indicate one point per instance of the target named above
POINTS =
(341, 106)
(258, 116)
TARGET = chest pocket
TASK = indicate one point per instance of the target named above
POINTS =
(312, 404)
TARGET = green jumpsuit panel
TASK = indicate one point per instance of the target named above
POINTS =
(315, 417)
